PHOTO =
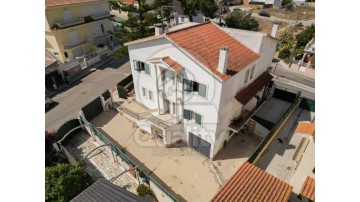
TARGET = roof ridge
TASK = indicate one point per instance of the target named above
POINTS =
(185, 28)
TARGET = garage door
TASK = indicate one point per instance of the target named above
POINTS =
(200, 145)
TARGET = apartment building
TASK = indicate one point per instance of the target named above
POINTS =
(74, 28)
(204, 79)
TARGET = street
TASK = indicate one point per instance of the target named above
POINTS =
(68, 103)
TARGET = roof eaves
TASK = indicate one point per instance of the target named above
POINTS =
(149, 38)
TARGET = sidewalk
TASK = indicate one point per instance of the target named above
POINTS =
(79, 76)
(310, 74)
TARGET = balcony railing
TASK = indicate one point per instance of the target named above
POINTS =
(100, 15)
(74, 21)
(73, 45)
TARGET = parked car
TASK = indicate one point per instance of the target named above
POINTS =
(264, 13)
(48, 102)
(275, 60)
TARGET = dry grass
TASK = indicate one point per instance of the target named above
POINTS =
(266, 25)
(299, 13)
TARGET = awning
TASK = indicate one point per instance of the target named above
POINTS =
(245, 95)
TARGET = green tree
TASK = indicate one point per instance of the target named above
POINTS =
(305, 36)
(63, 182)
(50, 153)
(237, 19)
(143, 190)
(206, 7)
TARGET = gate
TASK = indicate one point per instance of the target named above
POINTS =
(66, 127)
(307, 104)
(93, 109)
(199, 145)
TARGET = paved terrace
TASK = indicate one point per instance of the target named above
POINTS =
(277, 160)
(188, 174)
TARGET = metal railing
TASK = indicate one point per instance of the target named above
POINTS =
(73, 45)
(100, 15)
(74, 21)
(125, 158)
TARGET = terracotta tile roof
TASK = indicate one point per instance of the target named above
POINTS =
(48, 62)
(167, 60)
(305, 127)
(308, 189)
(203, 41)
(250, 183)
(128, 2)
(51, 3)
(246, 94)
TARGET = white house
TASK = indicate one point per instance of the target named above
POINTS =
(276, 3)
(204, 78)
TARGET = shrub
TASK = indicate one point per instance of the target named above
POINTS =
(143, 190)
(50, 153)
(284, 53)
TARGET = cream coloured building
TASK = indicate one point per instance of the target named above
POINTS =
(74, 28)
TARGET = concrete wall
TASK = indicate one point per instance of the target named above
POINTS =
(174, 134)
(160, 195)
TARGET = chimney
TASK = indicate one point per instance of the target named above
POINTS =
(176, 18)
(274, 29)
(158, 29)
(223, 59)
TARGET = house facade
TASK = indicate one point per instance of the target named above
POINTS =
(202, 78)
(74, 28)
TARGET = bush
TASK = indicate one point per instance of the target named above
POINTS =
(305, 36)
(143, 190)
(63, 182)
(238, 20)
(289, 6)
(284, 53)
(50, 153)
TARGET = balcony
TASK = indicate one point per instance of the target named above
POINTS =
(100, 15)
(73, 22)
(74, 45)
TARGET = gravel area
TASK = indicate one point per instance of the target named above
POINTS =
(100, 163)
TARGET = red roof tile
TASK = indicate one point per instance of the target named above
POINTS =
(51, 3)
(48, 62)
(250, 183)
(308, 189)
(305, 127)
(128, 2)
(203, 41)
(167, 60)
(245, 95)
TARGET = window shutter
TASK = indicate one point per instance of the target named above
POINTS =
(147, 68)
(202, 90)
(187, 114)
(187, 85)
(197, 118)
(136, 65)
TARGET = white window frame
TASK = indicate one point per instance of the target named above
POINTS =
(150, 95)
(144, 93)
(246, 79)
(252, 72)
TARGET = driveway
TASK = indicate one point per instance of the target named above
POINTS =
(70, 102)
(187, 174)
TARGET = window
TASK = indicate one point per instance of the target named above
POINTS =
(246, 76)
(252, 72)
(189, 115)
(144, 92)
(150, 95)
(66, 54)
(141, 66)
(102, 28)
(193, 86)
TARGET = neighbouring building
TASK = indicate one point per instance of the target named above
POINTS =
(307, 193)
(180, 17)
(267, 3)
(74, 28)
(105, 191)
(52, 74)
(250, 183)
(207, 82)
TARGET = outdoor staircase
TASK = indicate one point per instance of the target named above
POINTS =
(301, 149)
(251, 127)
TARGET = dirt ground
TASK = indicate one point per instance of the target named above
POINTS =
(266, 25)
(299, 13)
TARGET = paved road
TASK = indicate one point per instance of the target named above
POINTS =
(69, 103)
(286, 79)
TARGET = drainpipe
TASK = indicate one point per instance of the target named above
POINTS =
(157, 87)
(176, 104)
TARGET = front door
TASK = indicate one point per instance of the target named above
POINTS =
(166, 106)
